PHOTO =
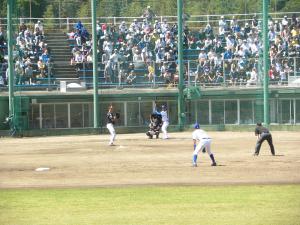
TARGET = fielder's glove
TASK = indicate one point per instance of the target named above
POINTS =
(117, 115)
(203, 150)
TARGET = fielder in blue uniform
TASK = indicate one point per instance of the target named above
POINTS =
(204, 142)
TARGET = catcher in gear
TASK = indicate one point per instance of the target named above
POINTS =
(155, 125)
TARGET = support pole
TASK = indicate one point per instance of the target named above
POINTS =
(266, 62)
(95, 65)
(10, 58)
(181, 114)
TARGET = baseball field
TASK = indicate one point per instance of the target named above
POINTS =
(142, 181)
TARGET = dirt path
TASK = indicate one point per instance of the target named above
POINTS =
(77, 161)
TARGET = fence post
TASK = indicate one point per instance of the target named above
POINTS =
(49, 78)
(154, 74)
(295, 67)
(189, 74)
(118, 74)
(223, 68)
(84, 72)
(68, 24)
(224, 76)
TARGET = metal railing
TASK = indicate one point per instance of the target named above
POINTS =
(139, 74)
(194, 21)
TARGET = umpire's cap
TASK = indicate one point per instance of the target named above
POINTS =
(259, 124)
(197, 126)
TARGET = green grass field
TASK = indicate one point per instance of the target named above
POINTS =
(185, 205)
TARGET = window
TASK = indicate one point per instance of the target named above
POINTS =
(246, 112)
(173, 112)
(48, 116)
(61, 115)
(217, 112)
(297, 111)
(88, 115)
(34, 117)
(146, 110)
(133, 114)
(231, 112)
(286, 111)
(76, 114)
(202, 115)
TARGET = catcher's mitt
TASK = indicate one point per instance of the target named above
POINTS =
(117, 115)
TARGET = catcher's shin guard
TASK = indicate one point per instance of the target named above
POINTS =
(149, 135)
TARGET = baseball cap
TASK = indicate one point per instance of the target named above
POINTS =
(196, 125)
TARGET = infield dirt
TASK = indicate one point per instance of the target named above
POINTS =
(88, 161)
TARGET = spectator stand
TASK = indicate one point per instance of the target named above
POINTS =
(230, 42)
(32, 60)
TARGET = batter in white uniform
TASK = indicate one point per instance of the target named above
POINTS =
(165, 120)
(204, 142)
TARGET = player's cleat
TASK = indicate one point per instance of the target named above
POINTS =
(214, 164)
(111, 144)
(194, 165)
(255, 154)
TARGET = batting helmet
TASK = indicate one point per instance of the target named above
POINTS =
(197, 126)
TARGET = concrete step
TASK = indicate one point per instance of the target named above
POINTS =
(60, 54)
(56, 40)
(63, 56)
(65, 69)
(56, 34)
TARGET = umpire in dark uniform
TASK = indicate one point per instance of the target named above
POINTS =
(263, 134)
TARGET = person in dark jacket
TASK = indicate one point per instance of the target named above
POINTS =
(263, 134)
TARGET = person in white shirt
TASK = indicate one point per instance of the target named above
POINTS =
(203, 145)
(165, 120)
(253, 77)
(40, 26)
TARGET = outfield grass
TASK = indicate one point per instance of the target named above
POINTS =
(269, 204)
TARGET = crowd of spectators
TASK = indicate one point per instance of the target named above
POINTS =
(226, 52)
(229, 50)
(31, 55)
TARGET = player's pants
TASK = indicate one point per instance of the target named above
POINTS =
(203, 143)
(164, 129)
(263, 137)
(112, 132)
